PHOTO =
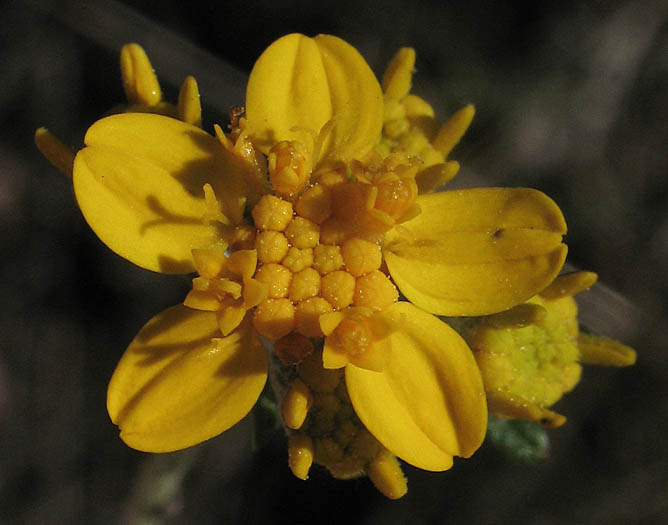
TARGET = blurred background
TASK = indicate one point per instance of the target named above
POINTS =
(571, 99)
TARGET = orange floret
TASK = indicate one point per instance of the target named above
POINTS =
(278, 278)
(274, 318)
(305, 284)
(338, 288)
(361, 256)
(375, 290)
(272, 213)
(271, 246)
(303, 233)
(327, 258)
(296, 260)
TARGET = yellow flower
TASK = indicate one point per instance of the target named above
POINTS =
(530, 355)
(337, 228)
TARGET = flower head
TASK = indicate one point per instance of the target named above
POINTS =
(343, 267)
(530, 355)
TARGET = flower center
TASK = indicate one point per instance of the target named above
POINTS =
(314, 249)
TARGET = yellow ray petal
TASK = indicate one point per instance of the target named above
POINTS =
(299, 84)
(287, 88)
(477, 252)
(398, 75)
(55, 151)
(569, 284)
(453, 130)
(139, 80)
(178, 385)
(595, 350)
(190, 107)
(506, 408)
(437, 175)
(428, 404)
(139, 183)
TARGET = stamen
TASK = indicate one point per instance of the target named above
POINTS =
(596, 350)
(398, 76)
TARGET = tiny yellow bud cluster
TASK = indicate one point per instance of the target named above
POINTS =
(324, 429)
(307, 275)
(410, 126)
(528, 366)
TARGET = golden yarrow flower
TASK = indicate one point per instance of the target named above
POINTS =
(339, 229)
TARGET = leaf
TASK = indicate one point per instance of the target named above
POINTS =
(519, 440)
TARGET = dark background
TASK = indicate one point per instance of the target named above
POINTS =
(571, 98)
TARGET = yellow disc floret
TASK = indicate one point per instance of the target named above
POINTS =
(303, 233)
(361, 256)
(327, 258)
(296, 260)
(277, 277)
(356, 335)
(274, 318)
(226, 285)
(272, 213)
(307, 316)
(271, 246)
(305, 284)
(375, 290)
(338, 288)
